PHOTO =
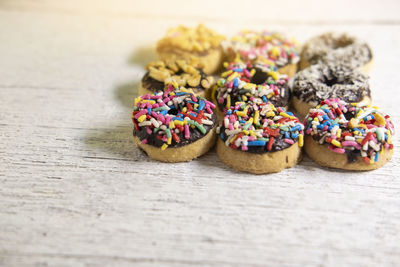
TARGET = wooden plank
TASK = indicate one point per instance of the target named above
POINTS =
(76, 191)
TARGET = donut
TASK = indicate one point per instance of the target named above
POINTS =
(348, 136)
(160, 73)
(173, 125)
(259, 138)
(322, 81)
(200, 43)
(337, 47)
(272, 48)
(243, 82)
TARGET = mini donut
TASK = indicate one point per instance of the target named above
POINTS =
(348, 136)
(259, 138)
(200, 43)
(340, 48)
(272, 48)
(243, 82)
(160, 73)
(322, 81)
(174, 125)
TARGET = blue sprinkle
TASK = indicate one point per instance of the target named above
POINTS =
(294, 135)
(333, 125)
(193, 114)
(256, 143)
(295, 128)
(222, 136)
(242, 121)
(148, 110)
(163, 112)
(229, 112)
(238, 70)
(386, 137)
(177, 119)
(264, 98)
(376, 156)
(180, 93)
(290, 113)
(201, 105)
(236, 82)
(286, 134)
(325, 117)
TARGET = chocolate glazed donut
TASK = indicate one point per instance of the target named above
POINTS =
(322, 81)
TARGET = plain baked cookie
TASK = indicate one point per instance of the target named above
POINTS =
(242, 82)
(159, 74)
(271, 48)
(339, 48)
(174, 125)
(348, 136)
(259, 138)
(200, 43)
(323, 81)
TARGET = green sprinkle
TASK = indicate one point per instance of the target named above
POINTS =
(200, 127)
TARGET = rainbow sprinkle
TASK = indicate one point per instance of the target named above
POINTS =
(349, 127)
(236, 84)
(269, 47)
(259, 127)
(170, 118)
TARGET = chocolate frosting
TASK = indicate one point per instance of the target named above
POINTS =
(322, 81)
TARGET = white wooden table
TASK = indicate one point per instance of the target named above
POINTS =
(75, 191)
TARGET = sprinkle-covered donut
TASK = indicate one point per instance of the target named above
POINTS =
(259, 138)
(339, 48)
(255, 82)
(174, 125)
(272, 48)
(200, 43)
(322, 81)
(159, 74)
(348, 136)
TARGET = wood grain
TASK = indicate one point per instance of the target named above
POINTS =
(75, 191)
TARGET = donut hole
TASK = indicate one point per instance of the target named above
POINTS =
(173, 111)
(331, 82)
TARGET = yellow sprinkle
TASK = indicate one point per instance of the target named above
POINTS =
(275, 51)
(213, 93)
(169, 140)
(356, 132)
(179, 122)
(353, 123)
(172, 93)
(336, 143)
(240, 113)
(249, 86)
(315, 119)
(149, 101)
(245, 132)
(244, 98)
(274, 75)
(359, 140)
(226, 73)
(252, 72)
(184, 109)
(284, 114)
(270, 114)
(171, 125)
(228, 102)
(252, 133)
(226, 64)
(237, 58)
(270, 95)
(362, 126)
(379, 120)
(164, 146)
(232, 76)
(338, 133)
(257, 117)
(142, 118)
(196, 105)
(389, 137)
(137, 99)
(175, 84)
(301, 140)
(250, 120)
(371, 160)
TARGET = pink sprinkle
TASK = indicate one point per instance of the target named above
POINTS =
(308, 131)
(230, 85)
(165, 138)
(146, 96)
(140, 113)
(154, 105)
(221, 100)
(210, 103)
(325, 128)
(230, 126)
(280, 109)
(246, 73)
(232, 118)
(339, 150)
(209, 110)
(251, 138)
(187, 132)
(167, 120)
(194, 98)
(289, 141)
(144, 141)
(245, 148)
(148, 130)
(351, 143)
(165, 100)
